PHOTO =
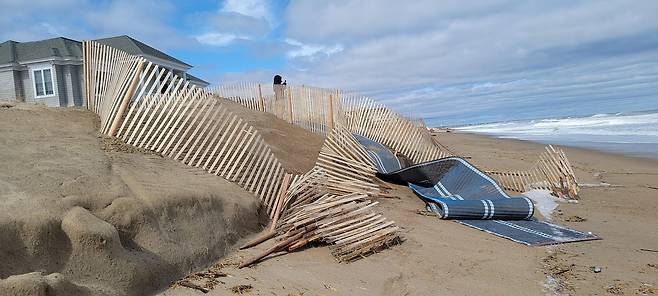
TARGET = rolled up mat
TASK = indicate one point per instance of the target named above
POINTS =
(456, 207)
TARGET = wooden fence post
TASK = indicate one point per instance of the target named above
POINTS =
(126, 99)
(330, 113)
(289, 89)
(261, 102)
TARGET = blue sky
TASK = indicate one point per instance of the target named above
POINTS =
(451, 62)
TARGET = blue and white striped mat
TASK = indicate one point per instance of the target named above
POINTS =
(455, 189)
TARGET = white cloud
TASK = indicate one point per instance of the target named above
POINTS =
(237, 20)
(253, 8)
(311, 51)
(218, 39)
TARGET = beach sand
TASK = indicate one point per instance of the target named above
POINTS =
(83, 214)
(446, 258)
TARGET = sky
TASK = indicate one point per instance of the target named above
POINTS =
(450, 62)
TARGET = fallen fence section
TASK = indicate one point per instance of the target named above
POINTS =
(552, 171)
(333, 204)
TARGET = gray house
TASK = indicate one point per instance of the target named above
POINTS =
(50, 71)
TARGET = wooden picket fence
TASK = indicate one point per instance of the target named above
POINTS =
(320, 110)
(148, 106)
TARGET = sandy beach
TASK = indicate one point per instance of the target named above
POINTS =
(445, 258)
(86, 215)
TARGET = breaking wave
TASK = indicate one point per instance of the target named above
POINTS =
(618, 132)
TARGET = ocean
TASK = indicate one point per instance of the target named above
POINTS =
(631, 133)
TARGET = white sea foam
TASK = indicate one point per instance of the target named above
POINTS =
(643, 126)
(635, 133)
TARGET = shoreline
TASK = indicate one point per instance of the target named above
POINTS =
(441, 131)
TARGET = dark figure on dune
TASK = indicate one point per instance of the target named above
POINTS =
(279, 86)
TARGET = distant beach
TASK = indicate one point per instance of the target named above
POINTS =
(632, 134)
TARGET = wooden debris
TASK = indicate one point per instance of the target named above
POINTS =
(191, 285)
(552, 171)
(241, 289)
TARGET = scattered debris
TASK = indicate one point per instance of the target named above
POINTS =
(575, 218)
(602, 184)
(646, 289)
(649, 250)
(596, 269)
(241, 289)
(329, 287)
(191, 285)
(6, 105)
(425, 213)
(616, 289)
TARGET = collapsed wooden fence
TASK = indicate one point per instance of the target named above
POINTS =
(150, 107)
(552, 171)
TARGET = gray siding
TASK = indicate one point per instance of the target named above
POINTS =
(71, 92)
(78, 85)
(62, 89)
(68, 85)
(7, 86)
(18, 86)
(28, 89)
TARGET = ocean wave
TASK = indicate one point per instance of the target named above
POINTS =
(640, 125)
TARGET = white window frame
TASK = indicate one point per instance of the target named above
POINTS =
(52, 78)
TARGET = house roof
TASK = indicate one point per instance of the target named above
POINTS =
(136, 47)
(196, 80)
(16, 52)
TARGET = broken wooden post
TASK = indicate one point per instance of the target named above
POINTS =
(280, 199)
(258, 240)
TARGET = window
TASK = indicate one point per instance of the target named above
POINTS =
(43, 82)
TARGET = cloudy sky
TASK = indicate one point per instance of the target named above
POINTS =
(451, 62)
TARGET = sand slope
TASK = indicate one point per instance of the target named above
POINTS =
(80, 213)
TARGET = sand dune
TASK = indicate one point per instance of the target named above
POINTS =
(85, 214)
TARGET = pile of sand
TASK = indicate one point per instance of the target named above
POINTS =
(296, 148)
(81, 214)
